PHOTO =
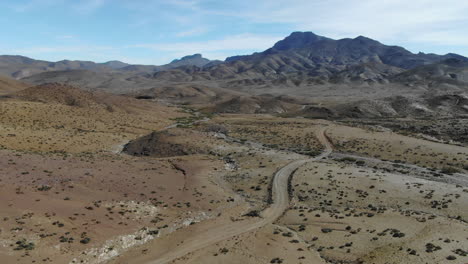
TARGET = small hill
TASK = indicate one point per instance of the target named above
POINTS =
(8, 85)
(59, 117)
(162, 144)
(59, 94)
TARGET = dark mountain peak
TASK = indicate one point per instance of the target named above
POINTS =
(194, 56)
(302, 51)
(297, 40)
(366, 40)
(303, 34)
(191, 60)
(190, 57)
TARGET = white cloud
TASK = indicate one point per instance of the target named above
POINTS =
(387, 20)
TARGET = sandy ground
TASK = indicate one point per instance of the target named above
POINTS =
(358, 205)
(392, 146)
(349, 213)
(46, 198)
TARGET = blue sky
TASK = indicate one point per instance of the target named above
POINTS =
(158, 31)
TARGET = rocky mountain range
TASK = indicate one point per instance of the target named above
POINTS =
(331, 77)
(306, 57)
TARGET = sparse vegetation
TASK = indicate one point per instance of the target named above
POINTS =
(23, 244)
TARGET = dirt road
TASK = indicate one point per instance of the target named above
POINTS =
(280, 202)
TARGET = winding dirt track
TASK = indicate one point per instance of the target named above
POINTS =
(280, 198)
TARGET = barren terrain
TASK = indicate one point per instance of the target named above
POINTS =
(313, 151)
(220, 190)
(234, 188)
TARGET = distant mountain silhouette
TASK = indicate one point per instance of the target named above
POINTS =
(20, 67)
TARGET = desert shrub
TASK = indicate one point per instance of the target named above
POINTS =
(450, 170)
(24, 245)
(44, 188)
(253, 213)
(85, 240)
(347, 159)
(360, 163)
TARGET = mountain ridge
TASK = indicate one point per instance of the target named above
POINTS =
(347, 77)
(18, 66)
(299, 53)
